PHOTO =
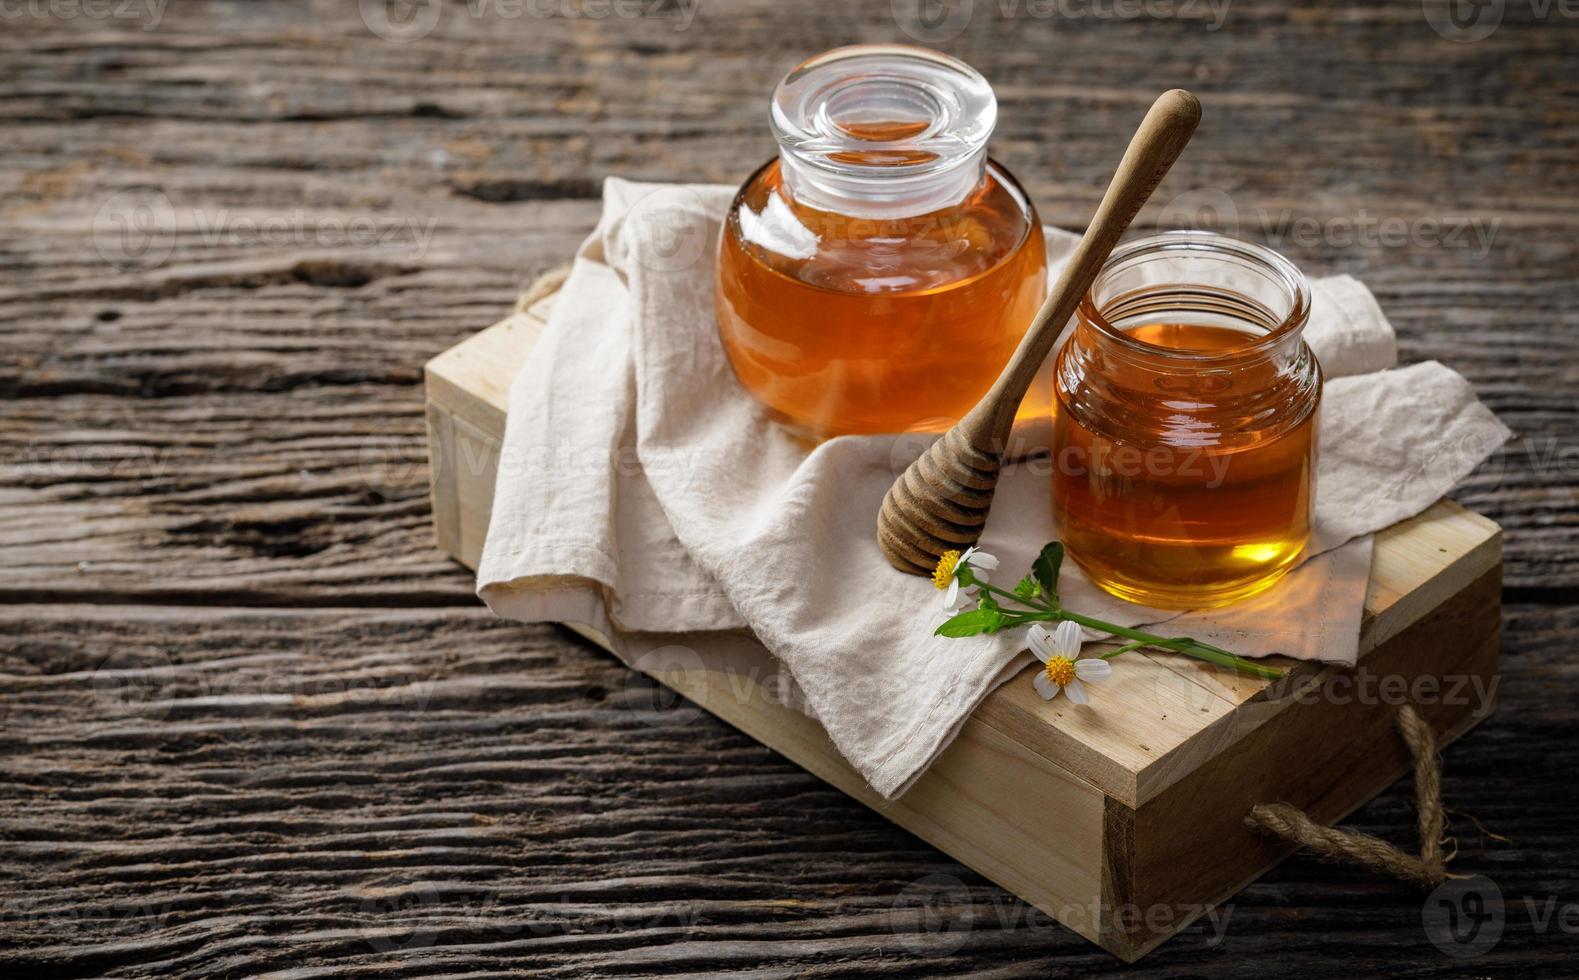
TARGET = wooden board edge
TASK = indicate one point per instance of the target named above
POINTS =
(463, 463)
(1404, 611)
(1130, 952)
(450, 377)
(1409, 655)
(1118, 876)
(443, 494)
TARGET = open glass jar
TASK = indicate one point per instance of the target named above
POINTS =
(876, 276)
(1184, 435)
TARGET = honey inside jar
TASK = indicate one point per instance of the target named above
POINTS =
(877, 275)
(1184, 434)
(889, 324)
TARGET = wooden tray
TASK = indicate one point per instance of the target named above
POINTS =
(1125, 822)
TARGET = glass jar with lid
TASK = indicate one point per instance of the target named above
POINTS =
(877, 274)
(1184, 434)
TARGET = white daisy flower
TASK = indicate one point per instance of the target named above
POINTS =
(1061, 669)
(946, 575)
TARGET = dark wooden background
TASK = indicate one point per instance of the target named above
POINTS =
(253, 723)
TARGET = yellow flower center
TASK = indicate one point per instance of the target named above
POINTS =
(1060, 670)
(944, 573)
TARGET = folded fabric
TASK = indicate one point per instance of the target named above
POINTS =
(642, 489)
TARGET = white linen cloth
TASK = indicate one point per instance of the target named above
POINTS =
(641, 490)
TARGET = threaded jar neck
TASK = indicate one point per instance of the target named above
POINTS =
(1199, 333)
(1196, 278)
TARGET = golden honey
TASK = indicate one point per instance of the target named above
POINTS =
(891, 324)
(1184, 431)
(877, 275)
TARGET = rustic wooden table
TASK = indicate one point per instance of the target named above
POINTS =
(254, 723)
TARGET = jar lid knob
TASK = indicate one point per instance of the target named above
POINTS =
(886, 129)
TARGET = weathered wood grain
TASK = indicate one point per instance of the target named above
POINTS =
(448, 149)
(198, 497)
(252, 816)
(193, 791)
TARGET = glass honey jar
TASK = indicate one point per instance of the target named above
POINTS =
(877, 274)
(1184, 430)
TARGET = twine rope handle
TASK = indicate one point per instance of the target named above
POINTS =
(546, 284)
(1428, 868)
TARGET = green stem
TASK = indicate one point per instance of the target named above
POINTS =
(1125, 649)
(1179, 644)
(1011, 596)
(1196, 649)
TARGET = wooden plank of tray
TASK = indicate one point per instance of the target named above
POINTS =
(1176, 714)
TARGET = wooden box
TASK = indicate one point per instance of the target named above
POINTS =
(1126, 821)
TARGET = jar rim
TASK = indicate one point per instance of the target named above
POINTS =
(1207, 243)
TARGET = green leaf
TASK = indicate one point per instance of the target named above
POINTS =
(986, 601)
(972, 623)
(1028, 588)
(1046, 568)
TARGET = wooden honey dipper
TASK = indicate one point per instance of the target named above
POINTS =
(941, 501)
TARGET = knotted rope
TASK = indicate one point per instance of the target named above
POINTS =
(1429, 868)
(546, 284)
